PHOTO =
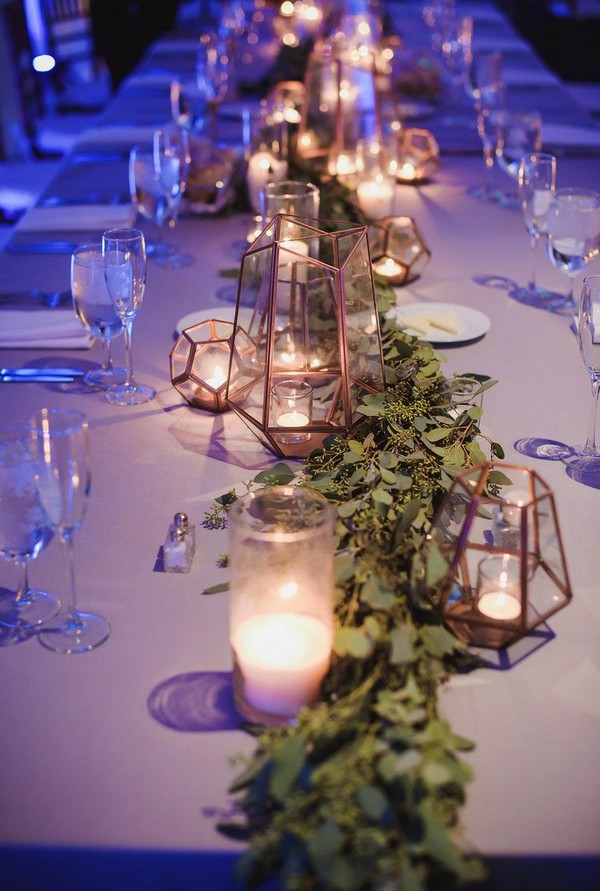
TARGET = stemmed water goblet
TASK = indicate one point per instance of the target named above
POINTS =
(587, 456)
(537, 184)
(124, 253)
(515, 133)
(573, 225)
(61, 454)
(24, 531)
(95, 310)
(157, 181)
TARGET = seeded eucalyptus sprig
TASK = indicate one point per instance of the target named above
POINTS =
(363, 792)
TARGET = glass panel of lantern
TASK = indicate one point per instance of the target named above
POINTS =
(314, 325)
(398, 251)
(496, 549)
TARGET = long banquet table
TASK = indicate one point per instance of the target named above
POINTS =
(115, 764)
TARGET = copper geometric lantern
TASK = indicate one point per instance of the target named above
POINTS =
(314, 331)
(496, 561)
(200, 363)
(416, 155)
(398, 251)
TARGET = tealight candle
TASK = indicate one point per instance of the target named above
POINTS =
(388, 267)
(407, 171)
(292, 408)
(498, 589)
(218, 377)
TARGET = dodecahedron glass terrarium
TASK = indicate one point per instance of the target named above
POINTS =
(398, 251)
(314, 330)
(416, 155)
(202, 360)
(495, 555)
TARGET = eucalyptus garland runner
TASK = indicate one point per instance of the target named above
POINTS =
(363, 792)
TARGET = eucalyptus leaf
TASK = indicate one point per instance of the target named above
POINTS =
(353, 642)
(287, 763)
(217, 589)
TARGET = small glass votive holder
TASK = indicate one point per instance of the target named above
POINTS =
(281, 601)
(293, 197)
(498, 588)
(291, 410)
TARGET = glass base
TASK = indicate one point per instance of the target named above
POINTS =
(105, 377)
(133, 394)
(78, 633)
(34, 608)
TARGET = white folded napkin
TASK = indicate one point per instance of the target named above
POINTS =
(84, 217)
(567, 134)
(42, 328)
(119, 136)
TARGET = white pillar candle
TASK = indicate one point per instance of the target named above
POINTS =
(263, 168)
(283, 658)
(376, 197)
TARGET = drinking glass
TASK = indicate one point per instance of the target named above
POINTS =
(124, 253)
(60, 445)
(188, 105)
(95, 310)
(485, 86)
(24, 531)
(516, 133)
(587, 457)
(213, 71)
(292, 197)
(573, 224)
(537, 184)
(157, 181)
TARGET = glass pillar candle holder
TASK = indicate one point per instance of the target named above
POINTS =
(281, 600)
(398, 251)
(292, 408)
(202, 361)
(314, 322)
(291, 197)
(495, 563)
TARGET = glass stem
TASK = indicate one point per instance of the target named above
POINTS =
(127, 326)
(108, 362)
(67, 545)
(532, 278)
(23, 588)
(590, 443)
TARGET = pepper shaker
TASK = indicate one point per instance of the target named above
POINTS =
(180, 545)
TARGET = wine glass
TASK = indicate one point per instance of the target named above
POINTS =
(157, 181)
(516, 133)
(60, 445)
(587, 456)
(95, 310)
(188, 105)
(213, 68)
(573, 225)
(485, 86)
(24, 531)
(124, 253)
(537, 184)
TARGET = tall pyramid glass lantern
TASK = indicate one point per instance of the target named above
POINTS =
(315, 332)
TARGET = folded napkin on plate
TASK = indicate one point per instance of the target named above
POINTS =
(42, 328)
(84, 217)
(568, 134)
(116, 136)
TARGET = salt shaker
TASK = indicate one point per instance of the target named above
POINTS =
(180, 544)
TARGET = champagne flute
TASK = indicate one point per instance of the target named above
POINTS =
(24, 531)
(124, 253)
(537, 184)
(485, 85)
(213, 64)
(60, 445)
(573, 224)
(157, 181)
(587, 457)
(95, 310)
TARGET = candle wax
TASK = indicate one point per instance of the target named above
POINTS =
(283, 658)
(499, 605)
(293, 419)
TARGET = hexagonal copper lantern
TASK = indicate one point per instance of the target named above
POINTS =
(203, 359)
(398, 252)
(498, 558)
(315, 331)
(416, 155)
